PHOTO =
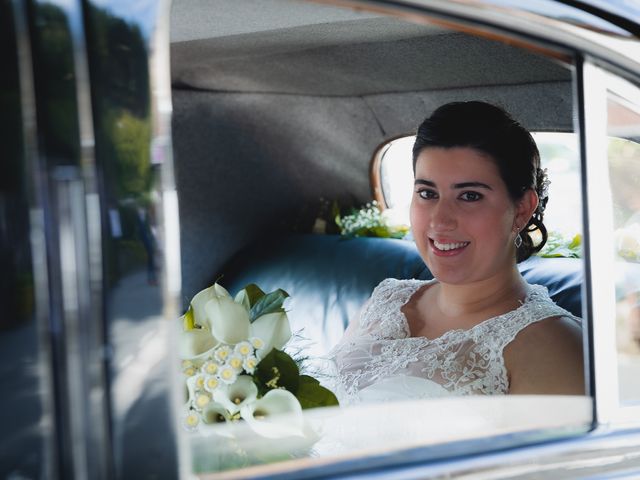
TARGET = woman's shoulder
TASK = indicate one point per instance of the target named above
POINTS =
(536, 307)
(546, 357)
(539, 301)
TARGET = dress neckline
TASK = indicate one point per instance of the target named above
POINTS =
(415, 285)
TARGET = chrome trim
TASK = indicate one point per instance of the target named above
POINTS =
(587, 293)
(88, 223)
(624, 413)
(601, 258)
(35, 187)
(169, 221)
(68, 194)
(509, 18)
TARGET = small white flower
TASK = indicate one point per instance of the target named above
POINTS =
(222, 353)
(211, 383)
(210, 368)
(250, 363)
(244, 348)
(190, 420)
(201, 400)
(198, 382)
(256, 342)
(235, 362)
(228, 374)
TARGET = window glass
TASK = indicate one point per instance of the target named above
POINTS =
(286, 132)
(132, 242)
(25, 448)
(623, 122)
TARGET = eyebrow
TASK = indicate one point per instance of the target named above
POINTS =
(429, 183)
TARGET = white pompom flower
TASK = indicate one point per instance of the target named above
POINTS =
(210, 367)
(211, 383)
(227, 374)
(201, 400)
(250, 363)
(190, 420)
(257, 343)
(235, 361)
(244, 349)
(222, 353)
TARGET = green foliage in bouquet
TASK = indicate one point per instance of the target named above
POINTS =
(368, 221)
(559, 245)
(235, 367)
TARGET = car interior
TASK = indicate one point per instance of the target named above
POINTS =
(278, 109)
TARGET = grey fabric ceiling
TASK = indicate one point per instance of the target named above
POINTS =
(352, 58)
(199, 19)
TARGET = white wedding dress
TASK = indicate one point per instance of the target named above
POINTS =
(380, 361)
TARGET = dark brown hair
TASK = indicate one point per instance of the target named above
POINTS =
(492, 131)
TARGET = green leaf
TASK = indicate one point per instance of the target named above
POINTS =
(254, 293)
(576, 241)
(269, 303)
(189, 321)
(311, 394)
(560, 246)
(277, 370)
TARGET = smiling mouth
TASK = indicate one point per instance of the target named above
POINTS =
(445, 247)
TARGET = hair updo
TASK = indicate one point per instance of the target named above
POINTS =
(492, 131)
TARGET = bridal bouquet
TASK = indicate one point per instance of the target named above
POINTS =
(235, 368)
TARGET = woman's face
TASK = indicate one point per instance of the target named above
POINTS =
(462, 216)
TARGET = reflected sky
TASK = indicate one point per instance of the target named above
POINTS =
(558, 10)
(140, 12)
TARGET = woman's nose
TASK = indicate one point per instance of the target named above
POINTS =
(443, 217)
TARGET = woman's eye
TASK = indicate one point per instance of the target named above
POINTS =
(471, 196)
(427, 194)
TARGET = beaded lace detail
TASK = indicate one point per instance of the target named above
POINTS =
(463, 362)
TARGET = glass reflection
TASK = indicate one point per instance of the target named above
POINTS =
(55, 83)
(624, 170)
(128, 177)
(22, 415)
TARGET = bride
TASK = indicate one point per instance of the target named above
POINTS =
(477, 328)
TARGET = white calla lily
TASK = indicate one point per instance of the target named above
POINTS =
(200, 300)
(243, 299)
(276, 415)
(214, 413)
(240, 393)
(196, 344)
(273, 329)
(229, 320)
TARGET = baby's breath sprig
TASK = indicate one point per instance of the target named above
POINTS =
(369, 221)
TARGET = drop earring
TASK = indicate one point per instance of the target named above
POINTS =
(518, 240)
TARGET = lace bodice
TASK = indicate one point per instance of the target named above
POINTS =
(373, 362)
